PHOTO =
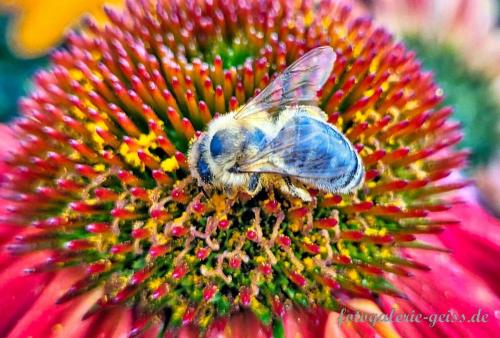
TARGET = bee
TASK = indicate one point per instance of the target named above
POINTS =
(279, 139)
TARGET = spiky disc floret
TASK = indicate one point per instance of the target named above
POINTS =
(101, 175)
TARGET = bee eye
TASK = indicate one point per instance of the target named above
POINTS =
(217, 145)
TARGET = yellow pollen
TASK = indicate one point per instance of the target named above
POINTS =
(385, 253)
(219, 203)
(353, 275)
(130, 157)
(371, 232)
(76, 74)
(154, 284)
(170, 164)
(260, 260)
(308, 18)
(99, 167)
(325, 22)
(147, 140)
(308, 263)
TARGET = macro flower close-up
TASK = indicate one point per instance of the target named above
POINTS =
(238, 168)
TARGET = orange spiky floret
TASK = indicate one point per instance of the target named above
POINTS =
(101, 173)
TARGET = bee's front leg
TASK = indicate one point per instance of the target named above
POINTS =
(229, 191)
(288, 188)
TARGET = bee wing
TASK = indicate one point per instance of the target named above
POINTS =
(305, 148)
(297, 85)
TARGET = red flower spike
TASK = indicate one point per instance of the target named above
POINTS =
(85, 208)
(179, 231)
(233, 103)
(202, 253)
(297, 213)
(181, 158)
(360, 207)
(266, 269)
(223, 224)
(333, 117)
(178, 195)
(404, 237)
(371, 175)
(284, 241)
(245, 296)
(386, 239)
(140, 193)
(105, 194)
(98, 228)
(79, 245)
(189, 315)
(384, 210)
(148, 160)
(140, 326)
(140, 276)
(127, 177)
(234, 263)
(209, 292)
(325, 223)
(271, 206)
(341, 259)
(160, 291)
(86, 170)
(96, 268)
(396, 155)
(166, 145)
(199, 207)
(297, 278)
(180, 271)
(331, 201)
(328, 282)
(158, 250)
(374, 157)
(278, 308)
(120, 248)
(123, 214)
(311, 248)
(352, 235)
(251, 235)
(140, 233)
(158, 213)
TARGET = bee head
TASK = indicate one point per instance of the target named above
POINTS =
(197, 162)
(225, 144)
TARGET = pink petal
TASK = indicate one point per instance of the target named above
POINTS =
(116, 323)
(70, 323)
(448, 287)
(18, 291)
(39, 320)
(8, 141)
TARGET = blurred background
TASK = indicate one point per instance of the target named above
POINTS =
(458, 40)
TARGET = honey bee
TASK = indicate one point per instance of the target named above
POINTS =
(279, 139)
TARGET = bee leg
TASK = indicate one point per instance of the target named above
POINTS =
(254, 184)
(295, 191)
(204, 192)
(230, 192)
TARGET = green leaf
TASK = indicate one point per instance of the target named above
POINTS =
(278, 329)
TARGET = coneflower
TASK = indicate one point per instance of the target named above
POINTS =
(100, 177)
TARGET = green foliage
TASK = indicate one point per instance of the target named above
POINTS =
(468, 92)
